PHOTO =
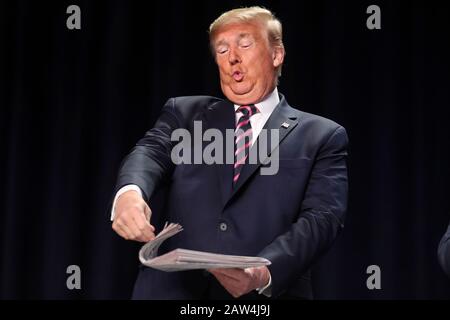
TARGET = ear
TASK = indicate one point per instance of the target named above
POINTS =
(278, 56)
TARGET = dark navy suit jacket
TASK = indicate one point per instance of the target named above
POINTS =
(444, 252)
(290, 218)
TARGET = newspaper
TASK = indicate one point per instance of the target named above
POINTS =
(183, 259)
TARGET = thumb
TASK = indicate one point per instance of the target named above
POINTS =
(262, 275)
(148, 214)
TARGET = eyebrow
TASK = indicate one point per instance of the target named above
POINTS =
(244, 35)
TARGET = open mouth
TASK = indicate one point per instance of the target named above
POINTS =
(238, 76)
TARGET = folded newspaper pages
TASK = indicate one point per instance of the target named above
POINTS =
(183, 259)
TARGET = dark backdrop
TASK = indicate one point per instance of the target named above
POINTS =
(73, 103)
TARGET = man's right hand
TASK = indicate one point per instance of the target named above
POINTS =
(132, 218)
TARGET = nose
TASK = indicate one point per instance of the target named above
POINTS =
(233, 56)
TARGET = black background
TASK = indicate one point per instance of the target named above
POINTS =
(74, 102)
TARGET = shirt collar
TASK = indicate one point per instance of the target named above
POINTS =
(268, 104)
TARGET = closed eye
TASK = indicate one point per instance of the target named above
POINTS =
(245, 43)
(221, 50)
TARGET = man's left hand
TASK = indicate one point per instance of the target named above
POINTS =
(241, 281)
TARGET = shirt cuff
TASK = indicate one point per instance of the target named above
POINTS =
(122, 190)
(267, 289)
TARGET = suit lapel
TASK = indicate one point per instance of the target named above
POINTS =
(221, 116)
(283, 118)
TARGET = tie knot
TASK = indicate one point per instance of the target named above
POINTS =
(248, 110)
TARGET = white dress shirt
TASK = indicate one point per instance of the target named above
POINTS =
(258, 120)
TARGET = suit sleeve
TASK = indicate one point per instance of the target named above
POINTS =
(321, 217)
(149, 161)
(444, 252)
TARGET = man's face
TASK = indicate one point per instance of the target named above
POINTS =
(246, 62)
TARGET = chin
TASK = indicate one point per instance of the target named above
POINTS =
(241, 90)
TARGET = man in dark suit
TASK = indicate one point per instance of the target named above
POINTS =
(444, 252)
(290, 217)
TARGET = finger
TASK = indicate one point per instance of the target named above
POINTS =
(218, 273)
(146, 216)
(147, 212)
(129, 219)
(227, 280)
(251, 272)
(145, 219)
(147, 234)
(130, 230)
(235, 273)
(122, 230)
(241, 281)
(233, 287)
(119, 231)
(132, 227)
(146, 230)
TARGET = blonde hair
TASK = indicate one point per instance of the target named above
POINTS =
(249, 15)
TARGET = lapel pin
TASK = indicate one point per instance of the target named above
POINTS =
(285, 125)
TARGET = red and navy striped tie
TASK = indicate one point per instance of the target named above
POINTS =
(243, 138)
